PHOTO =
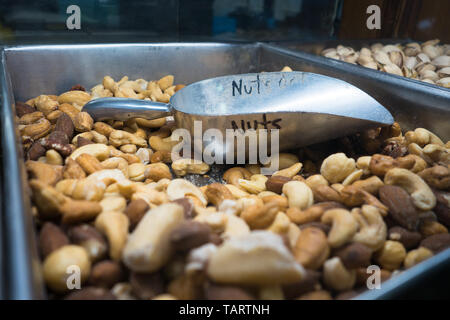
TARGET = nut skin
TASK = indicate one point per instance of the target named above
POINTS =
(135, 211)
(189, 235)
(146, 285)
(91, 239)
(311, 249)
(354, 255)
(90, 293)
(275, 183)
(409, 239)
(51, 238)
(64, 124)
(216, 292)
(401, 207)
(437, 242)
(36, 151)
(105, 274)
(23, 108)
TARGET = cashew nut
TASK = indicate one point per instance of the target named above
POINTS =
(336, 276)
(344, 226)
(255, 185)
(290, 171)
(337, 167)
(233, 175)
(114, 225)
(98, 150)
(372, 228)
(181, 167)
(179, 188)
(299, 194)
(421, 194)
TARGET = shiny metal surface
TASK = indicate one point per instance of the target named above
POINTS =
(307, 108)
(32, 70)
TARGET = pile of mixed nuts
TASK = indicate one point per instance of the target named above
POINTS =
(428, 62)
(108, 200)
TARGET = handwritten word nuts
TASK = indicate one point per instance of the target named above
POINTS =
(157, 171)
(337, 167)
(182, 167)
(263, 260)
(58, 262)
(216, 193)
(311, 249)
(114, 225)
(299, 194)
(135, 211)
(401, 207)
(51, 238)
(416, 256)
(83, 122)
(275, 183)
(98, 150)
(337, 276)
(409, 239)
(344, 226)
(179, 188)
(421, 194)
(149, 247)
(90, 239)
(189, 235)
(354, 255)
(106, 274)
(233, 175)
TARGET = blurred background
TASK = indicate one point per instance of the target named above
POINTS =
(44, 21)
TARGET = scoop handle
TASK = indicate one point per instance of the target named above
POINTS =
(123, 109)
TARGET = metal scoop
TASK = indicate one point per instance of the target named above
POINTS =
(306, 108)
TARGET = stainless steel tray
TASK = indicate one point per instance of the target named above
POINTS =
(413, 103)
(28, 71)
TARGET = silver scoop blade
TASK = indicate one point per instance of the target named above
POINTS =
(307, 108)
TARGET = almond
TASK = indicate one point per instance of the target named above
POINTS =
(189, 235)
(51, 238)
(275, 183)
(401, 207)
(65, 124)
